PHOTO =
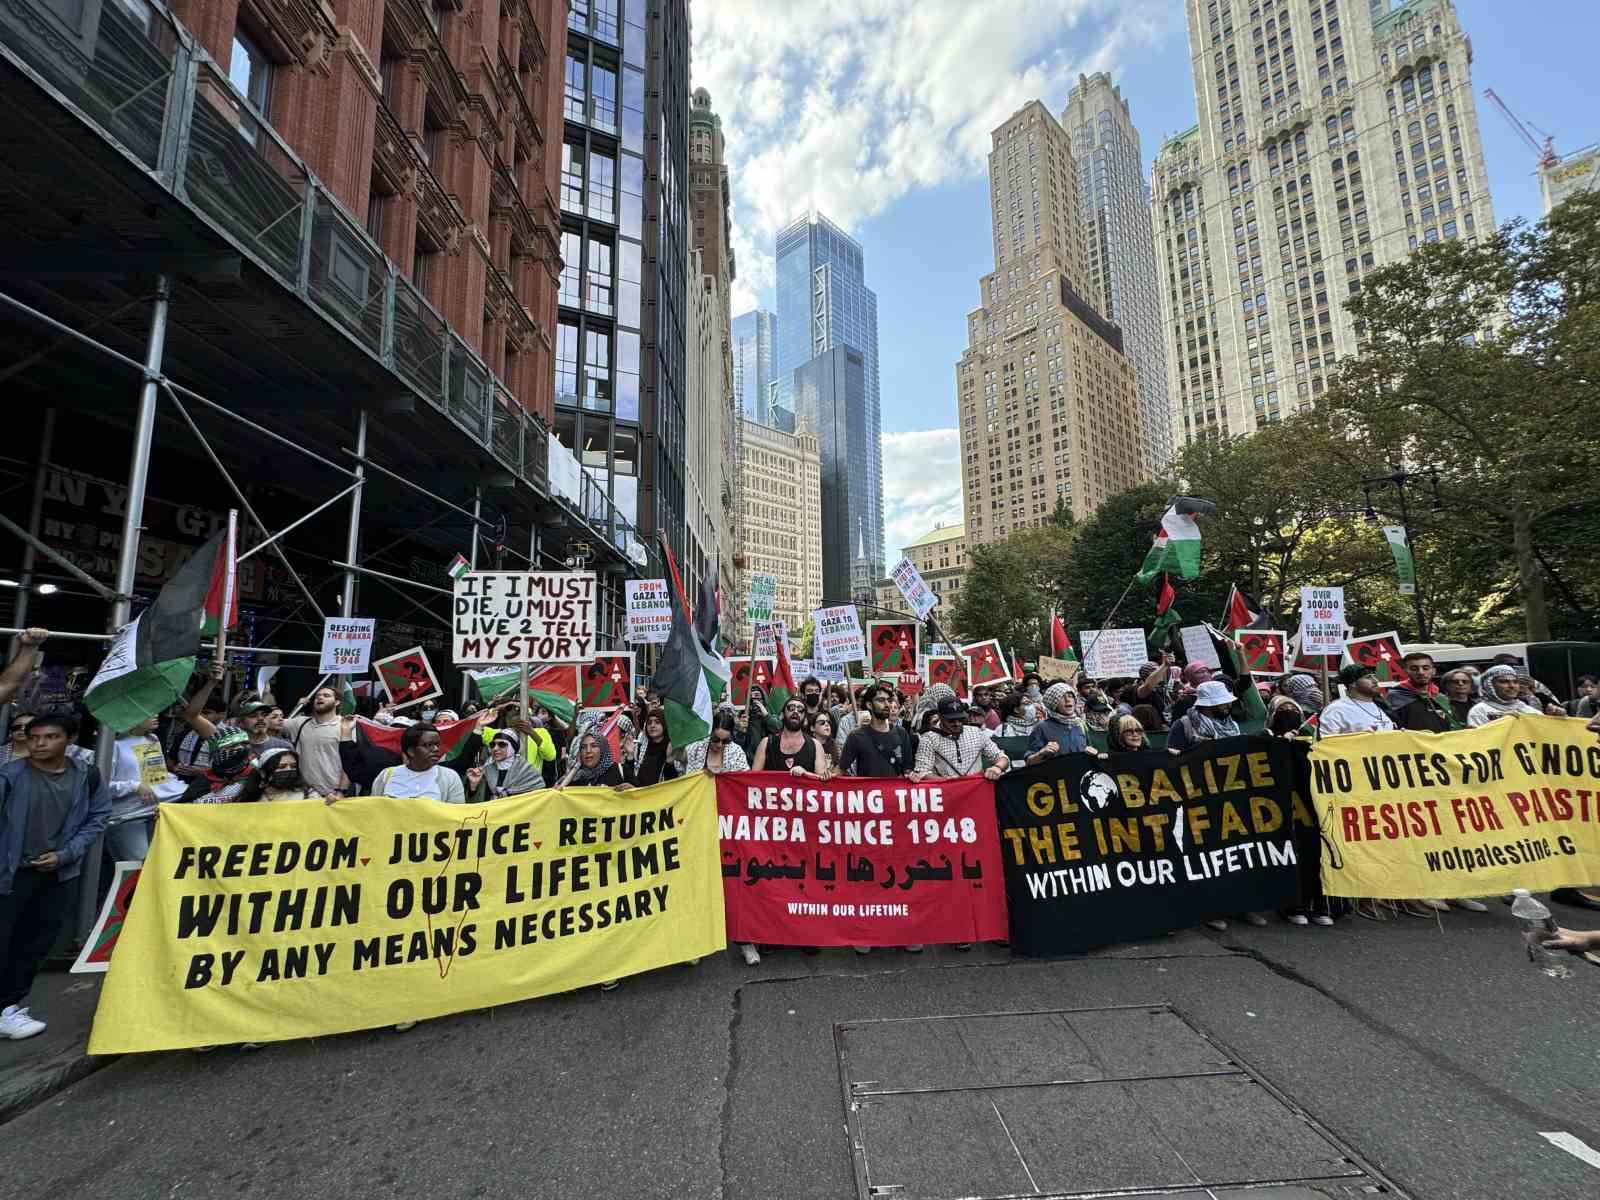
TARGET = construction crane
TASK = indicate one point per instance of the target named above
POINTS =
(1544, 151)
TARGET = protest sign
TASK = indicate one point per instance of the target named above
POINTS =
(859, 862)
(1322, 630)
(1113, 653)
(1265, 651)
(946, 669)
(1198, 646)
(525, 617)
(768, 636)
(273, 921)
(838, 635)
(985, 662)
(1381, 652)
(1098, 851)
(1476, 812)
(102, 940)
(762, 596)
(346, 645)
(1313, 663)
(407, 677)
(649, 611)
(823, 674)
(1057, 670)
(740, 674)
(893, 646)
(607, 681)
(918, 595)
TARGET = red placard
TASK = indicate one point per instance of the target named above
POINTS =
(608, 681)
(944, 669)
(986, 662)
(892, 647)
(1264, 651)
(859, 862)
(739, 673)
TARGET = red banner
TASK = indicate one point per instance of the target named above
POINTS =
(858, 861)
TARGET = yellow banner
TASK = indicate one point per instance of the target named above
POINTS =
(262, 922)
(1425, 816)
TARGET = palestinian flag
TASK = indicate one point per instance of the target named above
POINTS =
(708, 630)
(349, 693)
(681, 677)
(149, 663)
(1060, 643)
(783, 684)
(1242, 612)
(1177, 544)
(380, 739)
(1168, 620)
(555, 687)
(1016, 666)
(1167, 595)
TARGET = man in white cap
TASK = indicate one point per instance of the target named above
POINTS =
(1209, 719)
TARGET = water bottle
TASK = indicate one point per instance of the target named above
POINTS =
(1535, 921)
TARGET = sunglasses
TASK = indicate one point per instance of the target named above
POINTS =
(722, 741)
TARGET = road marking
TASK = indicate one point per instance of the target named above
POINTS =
(1577, 1147)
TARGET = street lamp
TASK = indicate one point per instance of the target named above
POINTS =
(1400, 478)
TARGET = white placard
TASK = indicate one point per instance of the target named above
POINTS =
(346, 645)
(838, 635)
(912, 586)
(768, 635)
(1322, 620)
(649, 611)
(763, 596)
(1198, 646)
(1113, 653)
(525, 616)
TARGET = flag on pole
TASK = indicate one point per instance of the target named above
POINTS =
(1168, 620)
(1167, 596)
(555, 686)
(1177, 543)
(1060, 643)
(783, 684)
(152, 657)
(708, 631)
(1242, 612)
(458, 567)
(681, 677)
(1016, 665)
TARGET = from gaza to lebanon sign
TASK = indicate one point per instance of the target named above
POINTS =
(1477, 812)
(838, 636)
(859, 862)
(649, 611)
(525, 617)
(265, 922)
(1098, 851)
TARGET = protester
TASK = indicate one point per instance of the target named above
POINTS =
(1499, 696)
(792, 748)
(52, 808)
(811, 692)
(508, 772)
(952, 748)
(277, 777)
(1416, 703)
(1360, 709)
(536, 744)
(192, 759)
(1125, 735)
(252, 719)
(1017, 718)
(1096, 708)
(822, 729)
(420, 776)
(1460, 693)
(1534, 694)
(1193, 675)
(1285, 718)
(1210, 718)
(17, 746)
(139, 781)
(651, 761)
(1150, 718)
(275, 719)
(315, 738)
(721, 751)
(595, 767)
(1062, 729)
(882, 748)
(230, 763)
(20, 667)
(1303, 690)
(1587, 702)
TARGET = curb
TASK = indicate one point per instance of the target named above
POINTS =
(57, 1073)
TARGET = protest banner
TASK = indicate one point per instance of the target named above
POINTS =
(1098, 851)
(918, 595)
(823, 674)
(346, 645)
(1381, 652)
(1265, 651)
(1404, 567)
(893, 646)
(946, 669)
(649, 611)
(408, 677)
(838, 636)
(102, 940)
(1113, 653)
(741, 673)
(525, 617)
(1322, 629)
(607, 681)
(273, 921)
(1198, 646)
(761, 598)
(1057, 670)
(859, 862)
(1475, 812)
(985, 662)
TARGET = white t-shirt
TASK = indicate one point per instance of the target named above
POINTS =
(436, 783)
(1346, 715)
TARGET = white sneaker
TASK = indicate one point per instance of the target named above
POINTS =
(1219, 925)
(752, 956)
(1437, 905)
(1322, 919)
(16, 1024)
(1471, 905)
(1297, 918)
(405, 1025)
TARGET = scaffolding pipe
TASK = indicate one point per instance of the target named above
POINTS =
(427, 587)
(47, 442)
(472, 565)
(359, 455)
(66, 564)
(293, 525)
(352, 541)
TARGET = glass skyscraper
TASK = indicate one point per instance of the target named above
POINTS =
(824, 304)
(753, 335)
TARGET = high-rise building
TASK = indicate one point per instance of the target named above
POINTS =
(706, 416)
(824, 304)
(753, 335)
(1119, 257)
(783, 516)
(940, 556)
(1049, 403)
(625, 252)
(830, 399)
(1334, 137)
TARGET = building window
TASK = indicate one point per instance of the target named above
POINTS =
(571, 248)
(567, 365)
(251, 71)
(602, 186)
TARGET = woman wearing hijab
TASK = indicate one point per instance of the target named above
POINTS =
(1303, 690)
(1498, 697)
(277, 777)
(1284, 717)
(652, 753)
(595, 766)
(507, 773)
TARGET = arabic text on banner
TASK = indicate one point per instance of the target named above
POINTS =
(1478, 812)
(262, 922)
(859, 862)
(1099, 851)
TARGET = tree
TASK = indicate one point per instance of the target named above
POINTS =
(1108, 551)
(1009, 587)
(1482, 359)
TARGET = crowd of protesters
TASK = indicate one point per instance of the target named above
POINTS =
(54, 803)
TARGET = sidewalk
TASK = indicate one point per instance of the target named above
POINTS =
(34, 1069)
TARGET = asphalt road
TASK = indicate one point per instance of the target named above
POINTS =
(1435, 1054)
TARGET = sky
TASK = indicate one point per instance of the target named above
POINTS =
(878, 113)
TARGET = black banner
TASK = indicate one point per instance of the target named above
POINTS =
(1099, 851)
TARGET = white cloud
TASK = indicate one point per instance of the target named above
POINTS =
(847, 105)
(921, 485)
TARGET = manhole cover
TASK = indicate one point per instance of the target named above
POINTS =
(1076, 1103)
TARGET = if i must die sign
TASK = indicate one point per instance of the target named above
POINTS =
(525, 617)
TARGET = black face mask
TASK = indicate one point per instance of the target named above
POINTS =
(284, 780)
(812, 700)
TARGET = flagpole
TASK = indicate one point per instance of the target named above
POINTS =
(229, 581)
(524, 692)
